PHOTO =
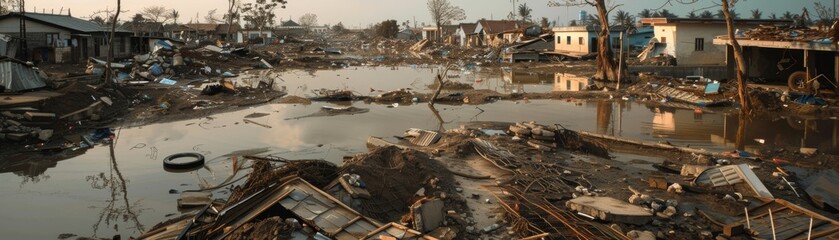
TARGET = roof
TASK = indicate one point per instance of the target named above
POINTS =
(143, 26)
(222, 28)
(206, 27)
(16, 76)
(63, 21)
(468, 27)
(657, 21)
(586, 29)
(498, 26)
(289, 23)
(308, 203)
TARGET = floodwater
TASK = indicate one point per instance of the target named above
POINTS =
(90, 195)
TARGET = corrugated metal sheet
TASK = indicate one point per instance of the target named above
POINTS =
(18, 77)
(426, 138)
(732, 175)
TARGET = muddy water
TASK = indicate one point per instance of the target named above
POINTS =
(374, 80)
(89, 195)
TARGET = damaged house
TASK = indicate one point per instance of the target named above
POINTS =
(63, 38)
(494, 32)
(690, 40)
(804, 59)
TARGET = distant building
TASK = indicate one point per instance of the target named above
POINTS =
(640, 37)
(145, 29)
(447, 36)
(318, 29)
(497, 31)
(63, 38)
(465, 35)
(290, 28)
(407, 34)
(579, 41)
(690, 40)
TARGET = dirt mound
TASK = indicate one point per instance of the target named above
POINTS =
(393, 177)
(295, 100)
(452, 85)
(317, 172)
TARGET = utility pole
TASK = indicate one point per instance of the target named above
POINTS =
(514, 9)
(23, 46)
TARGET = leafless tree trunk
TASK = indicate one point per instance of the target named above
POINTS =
(232, 11)
(738, 58)
(607, 66)
(108, 71)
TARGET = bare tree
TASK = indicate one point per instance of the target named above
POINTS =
(212, 16)
(156, 14)
(738, 56)
(308, 20)
(607, 65)
(443, 12)
(233, 7)
(108, 71)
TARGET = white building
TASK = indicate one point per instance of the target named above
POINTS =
(690, 41)
(581, 40)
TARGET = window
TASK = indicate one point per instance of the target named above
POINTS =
(580, 40)
(568, 40)
(663, 39)
(52, 38)
(558, 39)
(700, 44)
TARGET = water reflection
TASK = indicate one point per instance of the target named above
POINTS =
(113, 212)
(569, 82)
(716, 131)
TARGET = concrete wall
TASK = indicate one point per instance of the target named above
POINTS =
(711, 55)
(681, 42)
(562, 45)
(667, 34)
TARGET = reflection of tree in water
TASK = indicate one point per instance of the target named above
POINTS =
(114, 182)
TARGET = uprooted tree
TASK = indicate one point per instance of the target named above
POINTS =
(443, 12)
(607, 65)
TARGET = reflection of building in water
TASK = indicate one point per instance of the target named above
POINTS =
(664, 122)
(569, 82)
(791, 133)
(684, 124)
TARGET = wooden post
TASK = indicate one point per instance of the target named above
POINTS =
(772, 221)
(620, 63)
(810, 231)
(748, 221)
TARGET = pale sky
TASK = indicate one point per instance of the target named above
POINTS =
(361, 13)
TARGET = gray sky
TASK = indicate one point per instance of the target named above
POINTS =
(360, 13)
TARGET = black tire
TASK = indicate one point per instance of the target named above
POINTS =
(798, 81)
(194, 164)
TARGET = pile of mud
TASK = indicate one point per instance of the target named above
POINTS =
(295, 100)
(393, 176)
